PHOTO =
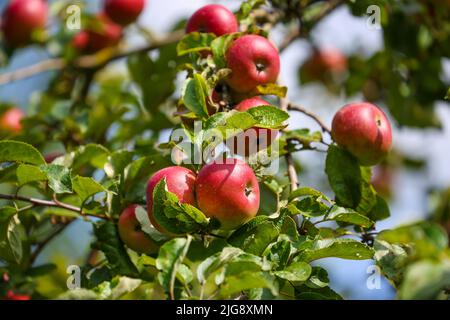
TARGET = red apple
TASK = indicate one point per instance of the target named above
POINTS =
(179, 180)
(254, 61)
(254, 139)
(213, 18)
(124, 12)
(103, 34)
(228, 191)
(21, 18)
(131, 234)
(364, 130)
(326, 60)
(81, 41)
(10, 295)
(11, 120)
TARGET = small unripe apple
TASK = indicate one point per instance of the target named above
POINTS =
(254, 61)
(364, 130)
(21, 18)
(213, 18)
(179, 180)
(131, 234)
(11, 120)
(228, 191)
(124, 12)
(250, 141)
(104, 34)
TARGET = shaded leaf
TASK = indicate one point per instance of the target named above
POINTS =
(15, 151)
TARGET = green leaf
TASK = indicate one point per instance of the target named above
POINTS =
(318, 279)
(248, 280)
(304, 136)
(173, 216)
(247, 7)
(195, 42)
(27, 173)
(215, 262)
(92, 154)
(380, 210)
(307, 191)
(304, 292)
(59, 178)
(254, 236)
(142, 168)
(232, 120)
(270, 196)
(337, 248)
(86, 187)
(117, 162)
(341, 214)
(269, 117)
(11, 235)
(15, 234)
(15, 151)
(296, 271)
(425, 280)
(194, 96)
(428, 239)
(219, 47)
(308, 207)
(155, 77)
(147, 227)
(279, 253)
(271, 89)
(392, 259)
(170, 257)
(41, 270)
(121, 286)
(344, 175)
(109, 242)
(368, 194)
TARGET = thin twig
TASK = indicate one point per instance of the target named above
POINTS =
(55, 203)
(325, 128)
(27, 72)
(292, 172)
(289, 39)
(95, 61)
(44, 243)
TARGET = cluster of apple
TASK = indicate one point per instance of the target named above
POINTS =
(226, 190)
(253, 61)
(107, 29)
(23, 18)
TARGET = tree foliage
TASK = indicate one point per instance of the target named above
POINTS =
(106, 130)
